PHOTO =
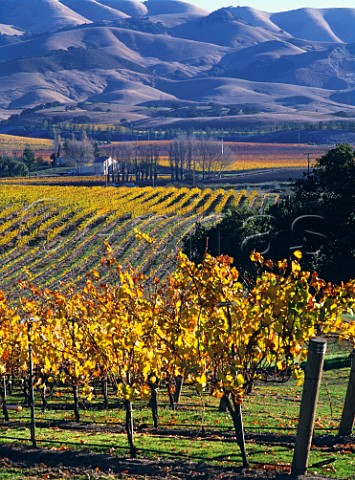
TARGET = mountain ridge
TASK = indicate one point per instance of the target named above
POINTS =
(129, 53)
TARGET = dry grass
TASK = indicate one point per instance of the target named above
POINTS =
(12, 142)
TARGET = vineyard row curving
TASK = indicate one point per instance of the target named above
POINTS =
(53, 234)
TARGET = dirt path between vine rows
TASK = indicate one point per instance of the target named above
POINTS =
(68, 464)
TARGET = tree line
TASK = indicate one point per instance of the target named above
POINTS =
(316, 216)
(20, 166)
(192, 157)
(189, 157)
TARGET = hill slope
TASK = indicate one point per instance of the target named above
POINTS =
(127, 52)
(133, 8)
(38, 16)
(73, 231)
(325, 25)
(94, 10)
(222, 28)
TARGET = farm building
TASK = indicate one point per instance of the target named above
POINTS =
(102, 165)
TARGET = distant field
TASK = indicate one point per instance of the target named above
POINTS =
(273, 155)
(14, 146)
(51, 234)
(8, 143)
(250, 156)
(246, 155)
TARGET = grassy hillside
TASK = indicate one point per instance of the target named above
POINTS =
(299, 63)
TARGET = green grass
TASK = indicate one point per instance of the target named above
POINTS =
(197, 430)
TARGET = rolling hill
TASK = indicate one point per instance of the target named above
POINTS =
(322, 25)
(132, 8)
(125, 54)
(222, 28)
(37, 16)
(93, 10)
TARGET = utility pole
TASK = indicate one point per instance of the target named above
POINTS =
(308, 155)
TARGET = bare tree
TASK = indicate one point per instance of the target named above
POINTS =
(145, 160)
(125, 155)
(57, 149)
(79, 152)
(152, 162)
(189, 155)
(181, 157)
(207, 150)
(224, 160)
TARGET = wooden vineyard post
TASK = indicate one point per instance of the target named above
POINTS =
(75, 389)
(174, 385)
(44, 394)
(348, 416)
(170, 387)
(104, 389)
(313, 375)
(179, 381)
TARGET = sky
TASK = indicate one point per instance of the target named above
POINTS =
(272, 5)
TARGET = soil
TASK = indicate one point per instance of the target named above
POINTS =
(67, 464)
(63, 463)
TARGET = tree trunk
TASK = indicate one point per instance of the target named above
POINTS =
(76, 402)
(3, 398)
(237, 417)
(130, 428)
(153, 403)
(31, 395)
(104, 392)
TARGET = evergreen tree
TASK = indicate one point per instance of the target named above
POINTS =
(318, 217)
(28, 157)
(10, 167)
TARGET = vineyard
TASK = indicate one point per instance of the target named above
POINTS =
(118, 336)
(56, 234)
(248, 156)
(8, 143)
(263, 155)
(124, 341)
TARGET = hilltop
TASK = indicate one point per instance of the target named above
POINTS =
(168, 63)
